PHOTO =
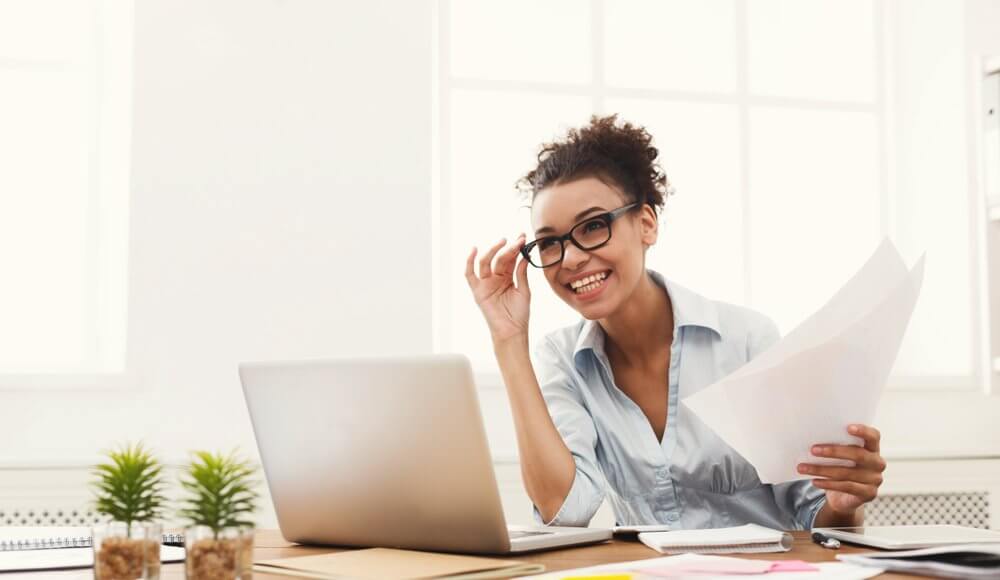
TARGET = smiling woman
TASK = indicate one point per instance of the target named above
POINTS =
(603, 404)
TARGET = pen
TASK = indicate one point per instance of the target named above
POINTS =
(825, 541)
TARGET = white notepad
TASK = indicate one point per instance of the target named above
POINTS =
(746, 539)
(45, 548)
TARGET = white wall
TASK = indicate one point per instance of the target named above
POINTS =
(279, 209)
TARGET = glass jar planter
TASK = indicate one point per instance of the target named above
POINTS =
(226, 555)
(123, 552)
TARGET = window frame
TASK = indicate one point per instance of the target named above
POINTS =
(598, 90)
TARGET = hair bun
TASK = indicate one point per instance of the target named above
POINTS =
(606, 148)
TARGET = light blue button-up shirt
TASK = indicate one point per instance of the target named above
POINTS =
(690, 479)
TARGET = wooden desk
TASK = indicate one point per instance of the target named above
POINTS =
(270, 544)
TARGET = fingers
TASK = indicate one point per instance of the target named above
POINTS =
(861, 456)
(871, 435)
(843, 473)
(522, 275)
(504, 263)
(470, 268)
(485, 271)
(863, 492)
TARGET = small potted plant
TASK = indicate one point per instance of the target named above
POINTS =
(220, 500)
(128, 489)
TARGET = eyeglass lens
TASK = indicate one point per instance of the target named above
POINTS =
(589, 234)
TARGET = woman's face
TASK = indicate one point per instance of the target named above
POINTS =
(597, 282)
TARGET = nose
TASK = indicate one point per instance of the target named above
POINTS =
(574, 257)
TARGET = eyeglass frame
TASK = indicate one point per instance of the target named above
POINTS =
(606, 217)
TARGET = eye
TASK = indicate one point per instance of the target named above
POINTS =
(593, 226)
(547, 243)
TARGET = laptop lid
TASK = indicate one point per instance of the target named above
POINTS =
(376, 452)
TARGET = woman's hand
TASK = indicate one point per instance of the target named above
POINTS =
(504, 305)
(848, 488)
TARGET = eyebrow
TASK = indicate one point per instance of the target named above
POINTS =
(578, 217)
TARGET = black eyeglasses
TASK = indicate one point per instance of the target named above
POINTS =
(590, 234)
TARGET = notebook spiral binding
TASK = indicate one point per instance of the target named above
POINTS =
(68, 542)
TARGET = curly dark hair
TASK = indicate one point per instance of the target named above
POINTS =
(607, 149)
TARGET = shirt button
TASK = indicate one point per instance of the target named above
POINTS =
(673, 517)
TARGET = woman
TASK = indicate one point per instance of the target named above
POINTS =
(599, 413)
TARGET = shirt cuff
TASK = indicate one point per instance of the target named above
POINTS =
(579, 506)
(814, 511)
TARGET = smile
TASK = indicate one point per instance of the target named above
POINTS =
(590, 283)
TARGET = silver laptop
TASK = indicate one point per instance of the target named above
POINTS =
(386, 452)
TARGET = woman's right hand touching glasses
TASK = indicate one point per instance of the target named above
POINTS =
(504, 304)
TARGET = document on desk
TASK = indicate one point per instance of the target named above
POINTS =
(702, 567)
(825, 374)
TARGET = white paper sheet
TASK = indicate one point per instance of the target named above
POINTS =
(827, 570)
(827, 373)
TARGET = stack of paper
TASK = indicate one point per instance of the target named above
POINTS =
(827, 373)
(963, 561)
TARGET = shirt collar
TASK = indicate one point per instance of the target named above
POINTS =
(690, 309)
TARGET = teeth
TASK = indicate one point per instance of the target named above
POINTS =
(589, 283)
(589, 280)
(576, 285)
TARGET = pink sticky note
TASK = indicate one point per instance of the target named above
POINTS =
(792, 566)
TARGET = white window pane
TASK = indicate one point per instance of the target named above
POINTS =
(44, 195)
(939, 338)
(46, 29)
(523, 40)
(823, 49)
(489, 152)
(931, 214)
(675, 44)
(931, 207)
(815, 206)
(701, 230)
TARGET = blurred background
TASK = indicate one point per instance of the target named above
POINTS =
(186, 185)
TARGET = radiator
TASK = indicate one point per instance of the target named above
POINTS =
(50, 516)
(970, 509)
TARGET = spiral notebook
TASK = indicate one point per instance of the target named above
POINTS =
(63, 547)
(746, 539)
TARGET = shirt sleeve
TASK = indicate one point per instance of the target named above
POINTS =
(576, 426)
(800, 499)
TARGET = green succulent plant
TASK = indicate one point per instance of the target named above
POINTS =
(219, 491)
(129, 488)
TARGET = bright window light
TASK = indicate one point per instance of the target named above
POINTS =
(783, 160)
(65, 114)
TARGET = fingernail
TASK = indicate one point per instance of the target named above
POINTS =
(854, 429)
(803, 469)
(818, 450)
